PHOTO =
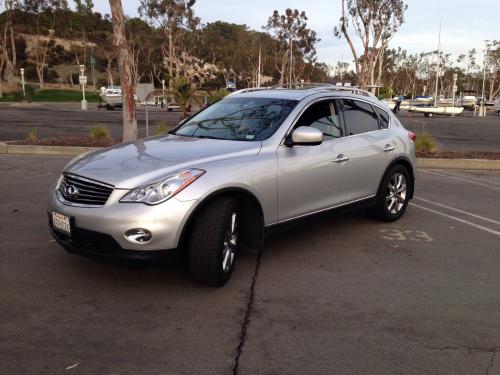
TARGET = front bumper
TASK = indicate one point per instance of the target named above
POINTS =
(104, 227)
(98, 245)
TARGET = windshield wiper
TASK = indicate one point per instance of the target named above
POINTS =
(205, 136)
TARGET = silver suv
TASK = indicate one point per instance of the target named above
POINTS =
(255, 159)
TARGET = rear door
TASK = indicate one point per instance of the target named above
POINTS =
(371, 146)
(312, 178)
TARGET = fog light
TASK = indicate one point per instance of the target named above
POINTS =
(138, 235)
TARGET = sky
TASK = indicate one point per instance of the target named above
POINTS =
(465, 24)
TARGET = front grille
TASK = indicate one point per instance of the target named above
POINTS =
(80, 190)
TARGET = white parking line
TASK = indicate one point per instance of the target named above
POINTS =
(485, 229)
(469, 177)
(461, 179)
(458, 210)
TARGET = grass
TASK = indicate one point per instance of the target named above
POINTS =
(51, 95)
(425, 143)
(99, 132)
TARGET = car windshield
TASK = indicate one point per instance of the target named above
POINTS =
(239, 119)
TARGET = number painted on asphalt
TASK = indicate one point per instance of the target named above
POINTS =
(405, 235)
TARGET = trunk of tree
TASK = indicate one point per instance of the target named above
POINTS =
(124, 65)
(170, 61)
(39, 72)
(282, 71)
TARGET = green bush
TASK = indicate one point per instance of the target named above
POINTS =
(216, 95)
(161, 128)
(425, 143)
(32, 136)
(99, 132)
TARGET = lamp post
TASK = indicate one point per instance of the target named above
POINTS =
(454, 88)
(482, 111)
(22, 82)
(83, 82)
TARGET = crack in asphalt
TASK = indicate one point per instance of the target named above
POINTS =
(471, 349)
(246, 317)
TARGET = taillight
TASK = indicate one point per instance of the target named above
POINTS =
(412, 136)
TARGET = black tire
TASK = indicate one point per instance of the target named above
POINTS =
(430, 115)
(382, 210)
(207, 242)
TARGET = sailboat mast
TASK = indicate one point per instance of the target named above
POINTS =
(438, 66)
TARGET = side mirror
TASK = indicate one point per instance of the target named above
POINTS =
(305, 136)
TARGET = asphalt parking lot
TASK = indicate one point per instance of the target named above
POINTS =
(463, 133)
(335, 294)
(67, 119)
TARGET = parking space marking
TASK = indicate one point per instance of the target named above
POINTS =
(469, 177)
(458, 210)
(461, 179)
(406, 235)
(477, 226)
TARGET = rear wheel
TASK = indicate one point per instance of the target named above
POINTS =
(213, 244)
(393, 195)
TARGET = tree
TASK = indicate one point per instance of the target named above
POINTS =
(183, 93)
(493, 62)
(293, 38)
(125, 63)
(172, 17)
(8, 62)
(374, 22)
(470, 65)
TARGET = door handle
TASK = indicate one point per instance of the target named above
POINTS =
(389, 148)
(341, 158)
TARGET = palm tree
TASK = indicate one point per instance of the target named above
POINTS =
(183, 93)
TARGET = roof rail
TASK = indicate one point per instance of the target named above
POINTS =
(351, 89)
(249, 89)
(303, 86)
(322, 87)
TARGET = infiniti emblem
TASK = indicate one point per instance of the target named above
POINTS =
(72, 191)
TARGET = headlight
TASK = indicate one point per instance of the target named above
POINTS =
(160, 191)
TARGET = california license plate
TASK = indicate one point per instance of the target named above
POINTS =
(61, 223)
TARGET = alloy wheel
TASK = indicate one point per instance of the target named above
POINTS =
(230, 243)
(396, 193)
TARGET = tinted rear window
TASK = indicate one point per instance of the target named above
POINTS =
(383, 117)
(359, 117)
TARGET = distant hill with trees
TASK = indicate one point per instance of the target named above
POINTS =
(50, 40)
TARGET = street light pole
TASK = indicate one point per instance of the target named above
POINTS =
(22, 82)
(486, 47)
(83, 82)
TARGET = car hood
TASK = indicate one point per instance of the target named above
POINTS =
(129, 165)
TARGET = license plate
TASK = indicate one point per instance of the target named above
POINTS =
(61, 223)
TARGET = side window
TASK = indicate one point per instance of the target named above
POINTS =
(359, 117)
(324, 117)
(383, 117)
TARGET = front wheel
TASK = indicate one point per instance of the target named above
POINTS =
(393, 195)
(213, 244)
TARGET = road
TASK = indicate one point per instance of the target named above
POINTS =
(460, 133)
(66, 119)
(464, 133)
(334, 294)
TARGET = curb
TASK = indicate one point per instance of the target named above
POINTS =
(44, 150)
(477, 164)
